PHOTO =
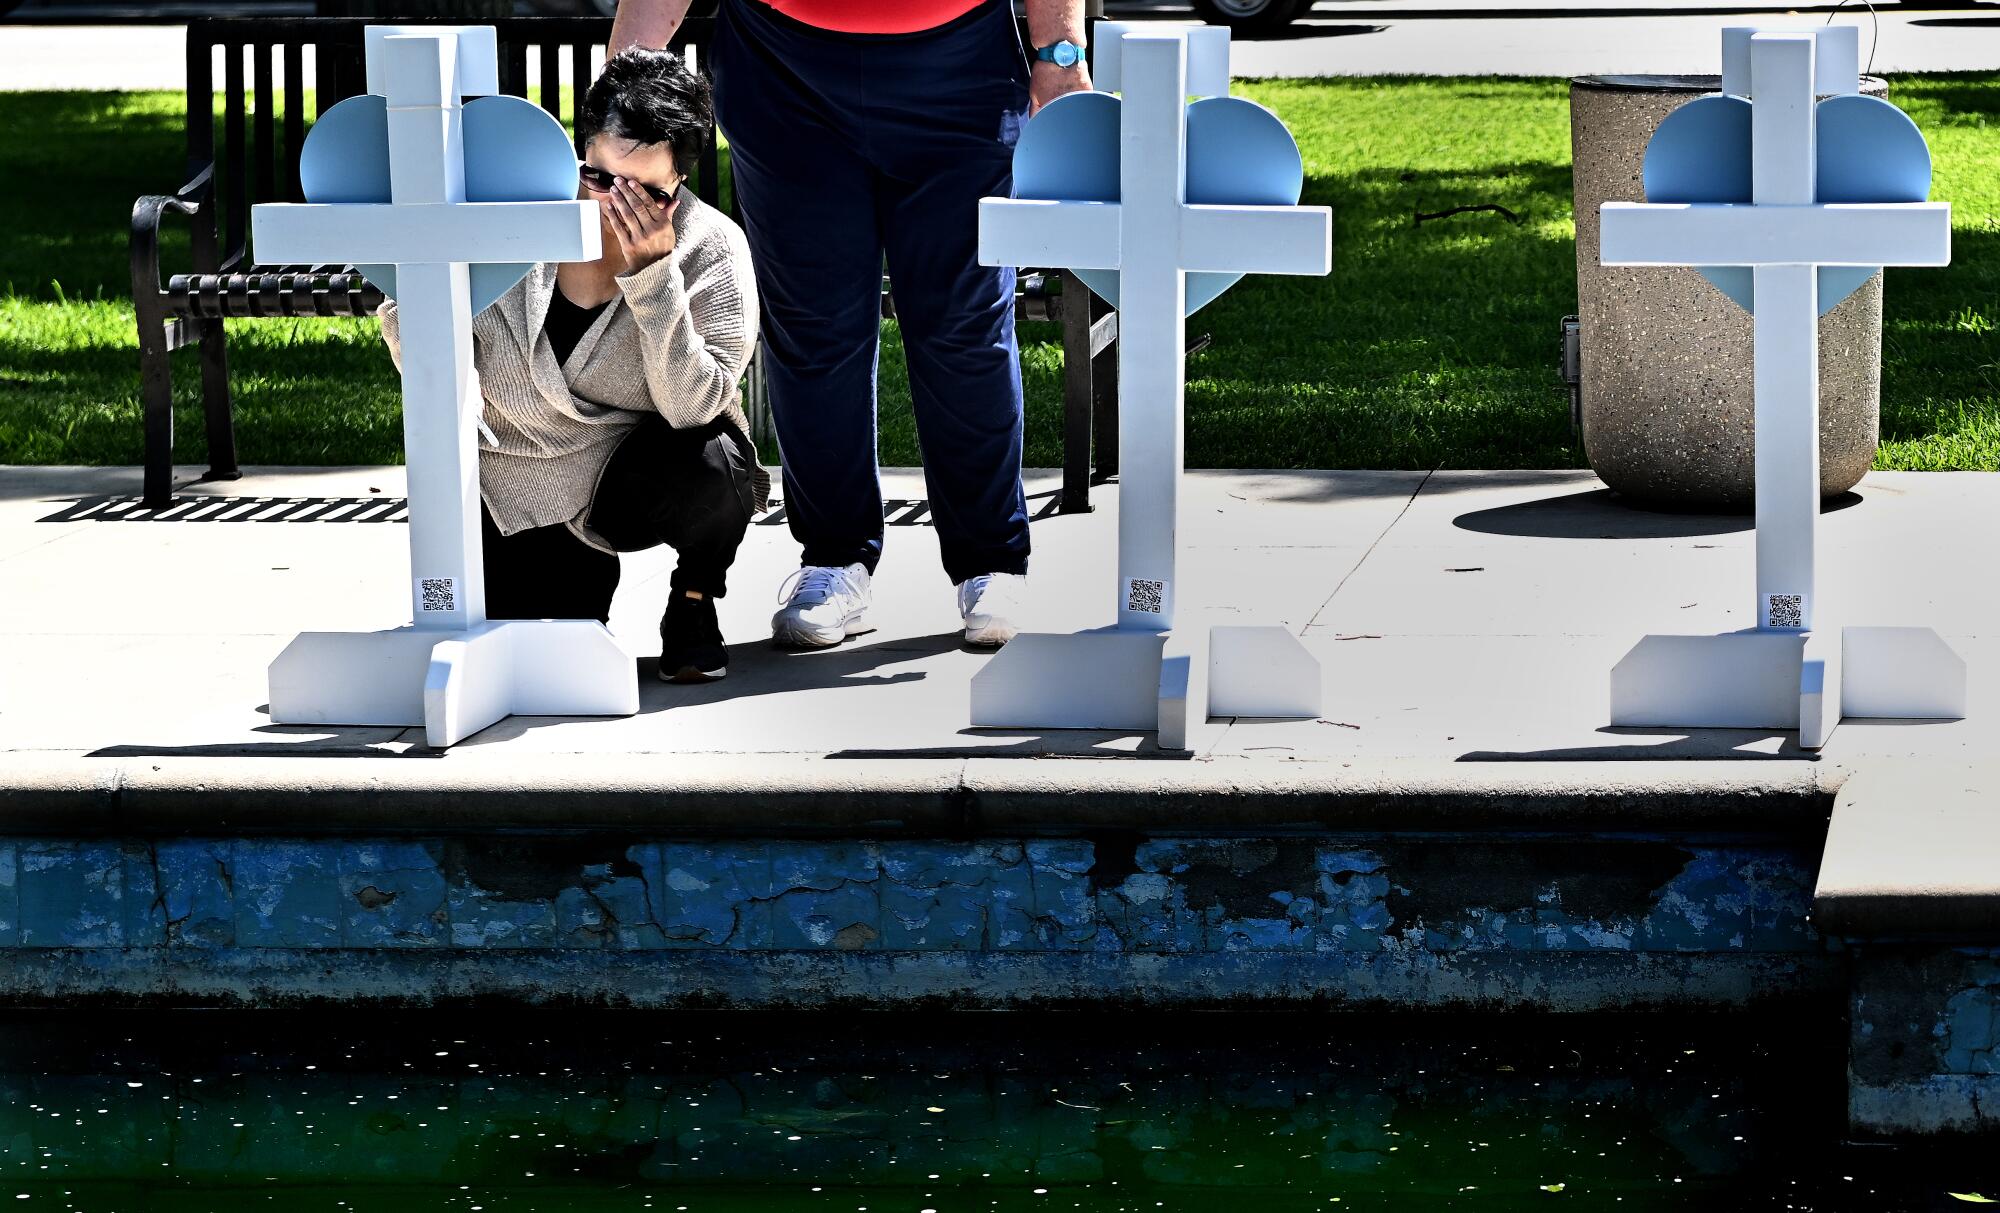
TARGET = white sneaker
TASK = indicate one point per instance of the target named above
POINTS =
(823, 606)
(989, 604)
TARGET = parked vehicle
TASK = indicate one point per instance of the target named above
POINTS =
(1252, 16)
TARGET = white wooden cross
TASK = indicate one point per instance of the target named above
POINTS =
(452, 671)
(1124, 677)
(1793, 667)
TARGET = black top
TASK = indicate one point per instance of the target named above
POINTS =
(567, 323)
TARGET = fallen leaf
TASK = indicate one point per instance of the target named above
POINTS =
(1553, 1187)
(1973, 1198)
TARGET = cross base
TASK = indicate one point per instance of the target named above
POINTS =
(1261, 672)
(1809, 681)
(1115, 678)
(453, 683)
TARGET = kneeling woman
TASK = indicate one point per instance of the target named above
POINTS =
(611, 385)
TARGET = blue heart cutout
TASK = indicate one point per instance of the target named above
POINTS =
(1868, 151)
(514, 152)
(1238, 153)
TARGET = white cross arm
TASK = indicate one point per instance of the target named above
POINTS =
(1888, 233)
(1207, 54)
(1257, 239)
(415, 75)
(1030, 231)
(389, 234)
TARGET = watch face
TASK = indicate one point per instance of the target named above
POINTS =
(1067, 53)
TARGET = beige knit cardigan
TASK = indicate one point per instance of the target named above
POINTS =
(674, 340)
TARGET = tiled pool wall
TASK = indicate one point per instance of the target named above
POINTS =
(1925, 1024)
(1562, 923)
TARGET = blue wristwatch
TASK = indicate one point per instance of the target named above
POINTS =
(1062, 54)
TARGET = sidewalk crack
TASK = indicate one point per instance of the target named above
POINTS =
(1377, 542)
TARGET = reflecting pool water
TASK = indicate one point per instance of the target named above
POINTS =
(899, 1113)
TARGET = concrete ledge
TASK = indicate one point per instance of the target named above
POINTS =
(757, 795)
(1223, 795)
(1911, 853)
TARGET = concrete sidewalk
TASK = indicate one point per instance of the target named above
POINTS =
(1466, 623)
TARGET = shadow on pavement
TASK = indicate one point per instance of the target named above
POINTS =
(313, 741)
(1628, 745)
(1036, 743)
(1604, 514)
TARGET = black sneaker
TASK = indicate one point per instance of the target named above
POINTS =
(691, 647)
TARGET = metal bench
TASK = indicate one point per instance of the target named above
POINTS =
(258, 162)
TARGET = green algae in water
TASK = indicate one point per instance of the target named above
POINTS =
(898, 1112)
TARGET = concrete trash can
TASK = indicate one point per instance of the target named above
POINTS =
(1666, 409)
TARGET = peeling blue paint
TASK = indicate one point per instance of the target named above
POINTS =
(1969, 1025)
(1924, 1050)
(1174, 896)
(71, 894)
(937, 896)
(193, 891)
(10, 916)
(392, 895)
(1730, 899)
(286, 894)
(480, 919)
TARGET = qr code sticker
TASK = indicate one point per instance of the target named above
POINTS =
(1784, 610)
(1145, 597)
(437, 594)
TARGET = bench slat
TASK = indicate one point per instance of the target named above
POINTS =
(232, 174)
(514, 69)
(295, 118)
(580, 77)
(551, 98)
(266, 128)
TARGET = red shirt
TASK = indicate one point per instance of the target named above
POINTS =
(875, 16)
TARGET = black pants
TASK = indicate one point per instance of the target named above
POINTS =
(689, 489)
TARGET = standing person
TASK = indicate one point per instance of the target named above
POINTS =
(859, 131)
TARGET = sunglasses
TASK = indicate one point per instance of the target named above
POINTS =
(597, 181)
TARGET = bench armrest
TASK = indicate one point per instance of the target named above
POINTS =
(146, 215)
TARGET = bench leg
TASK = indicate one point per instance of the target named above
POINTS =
(215, 403)
(1078, 395)
(156, 399)
(1104, 417)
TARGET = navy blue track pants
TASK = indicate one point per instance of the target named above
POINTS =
(848, 149)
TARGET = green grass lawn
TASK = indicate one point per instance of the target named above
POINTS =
(1427, 345)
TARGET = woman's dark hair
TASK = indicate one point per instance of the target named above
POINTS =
(649, 97)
